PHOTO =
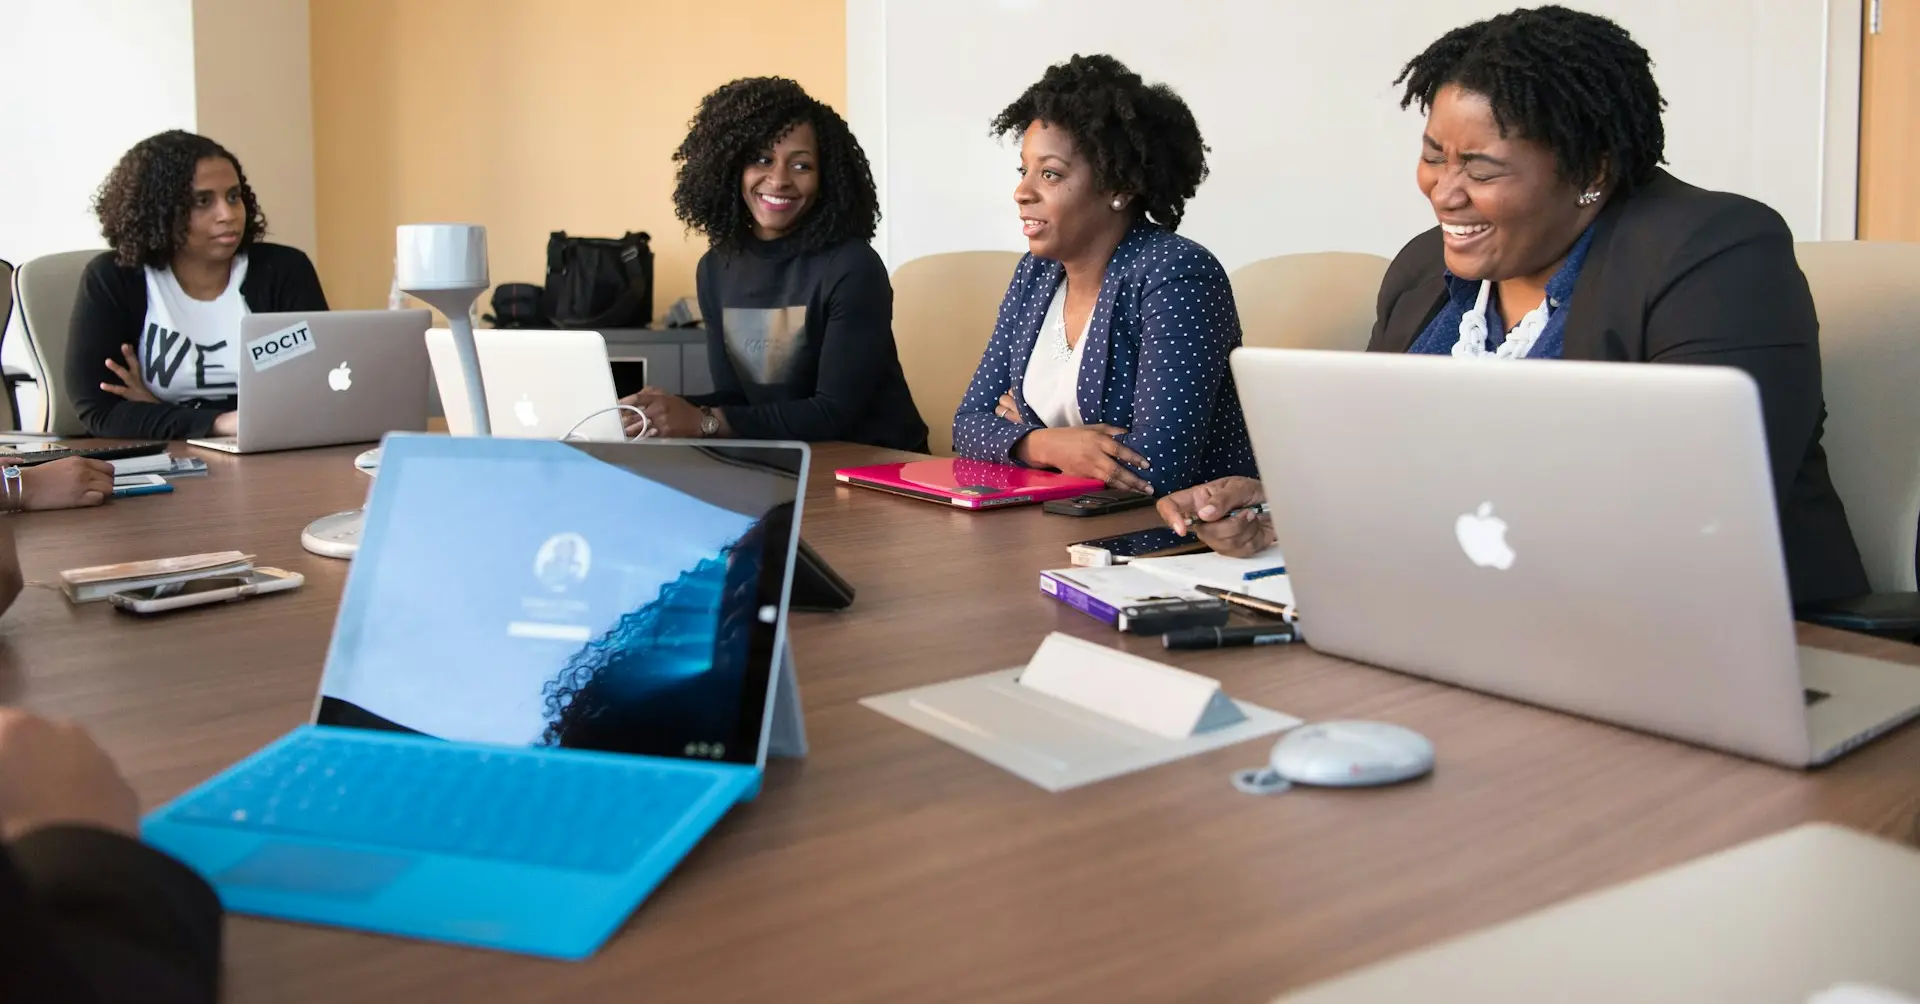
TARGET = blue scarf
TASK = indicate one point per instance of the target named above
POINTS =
(1441, 332)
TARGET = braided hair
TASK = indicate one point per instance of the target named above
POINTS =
(738, 121)
(146, 202)
(1574, 82)
(1141, 139)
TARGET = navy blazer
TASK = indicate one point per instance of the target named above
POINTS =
(1155, 362)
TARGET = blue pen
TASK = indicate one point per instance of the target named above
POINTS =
(1264, 572)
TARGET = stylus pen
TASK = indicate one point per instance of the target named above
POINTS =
(1229, 637)
(1254, 604)
(1258, 510)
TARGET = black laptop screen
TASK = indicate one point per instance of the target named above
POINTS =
(608, 596)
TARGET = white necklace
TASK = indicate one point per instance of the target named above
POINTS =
(1473, 330)
(1062, 349)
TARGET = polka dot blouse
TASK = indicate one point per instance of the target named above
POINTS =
(1155, 362)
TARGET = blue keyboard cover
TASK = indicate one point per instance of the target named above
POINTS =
(596, 814)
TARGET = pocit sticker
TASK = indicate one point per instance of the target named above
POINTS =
(270, 350)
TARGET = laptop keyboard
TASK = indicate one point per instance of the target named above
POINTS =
(496, 805)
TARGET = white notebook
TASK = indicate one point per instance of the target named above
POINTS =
(1210, 568)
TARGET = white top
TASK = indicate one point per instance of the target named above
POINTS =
(1052, 381)
(191, 348)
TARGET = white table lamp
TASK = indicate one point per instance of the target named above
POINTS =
(444, 265)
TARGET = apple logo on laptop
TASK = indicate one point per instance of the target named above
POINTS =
(340, 377)
(523, 410)
(1484, 537)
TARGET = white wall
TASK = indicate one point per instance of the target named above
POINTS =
(86, 79)
(1310, 150)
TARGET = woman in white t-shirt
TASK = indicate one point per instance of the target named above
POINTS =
(154, 350)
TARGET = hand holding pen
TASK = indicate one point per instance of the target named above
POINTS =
(1228, 515)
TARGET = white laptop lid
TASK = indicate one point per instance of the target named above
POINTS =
(624, 597)
(1639, 578)
(540, 384)
(1787, 919)
(319, 378)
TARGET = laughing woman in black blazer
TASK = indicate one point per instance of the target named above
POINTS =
(1560, 237)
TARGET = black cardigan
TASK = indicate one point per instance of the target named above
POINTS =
(1678, 274)
(108, 312)
(92, 917)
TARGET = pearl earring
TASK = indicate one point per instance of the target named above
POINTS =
(1119, 203)
(1588, 198)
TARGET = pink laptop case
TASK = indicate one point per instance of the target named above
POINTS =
(969, 484)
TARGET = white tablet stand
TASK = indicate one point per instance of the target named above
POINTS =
(445, 266)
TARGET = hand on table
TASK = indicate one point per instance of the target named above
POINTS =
(1234, 536)
(1087, 451)
(668, 415)
(67, 483)
(53, 772)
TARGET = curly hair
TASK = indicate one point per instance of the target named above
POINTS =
(738, 121)
(1142, 139)
(146, 201)
(1574, 82)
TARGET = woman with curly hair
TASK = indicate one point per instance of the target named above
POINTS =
(1559, 236)
(1109, 359)
(154, 351)
(798, 307)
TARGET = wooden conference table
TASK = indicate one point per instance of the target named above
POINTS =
(890, 867)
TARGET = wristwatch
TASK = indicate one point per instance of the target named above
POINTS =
(13, 490)
(709, 423)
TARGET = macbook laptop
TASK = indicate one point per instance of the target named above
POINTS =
(969, 484)
(1594, 537)
(1813, 915)
(327, 377)
(540, 384)
(534, 704)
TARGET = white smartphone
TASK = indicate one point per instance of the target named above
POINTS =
(139, 484)
(214, 589)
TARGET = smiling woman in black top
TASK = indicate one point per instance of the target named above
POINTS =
(154, 351)
(798, 307)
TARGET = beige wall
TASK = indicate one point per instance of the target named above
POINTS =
(529, 116)
(253, 94)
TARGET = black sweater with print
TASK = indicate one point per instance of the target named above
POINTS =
(801, 346)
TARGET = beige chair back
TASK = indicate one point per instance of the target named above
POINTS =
(46, 288)
(1868, 297)
(944, 308)
(1309, 301)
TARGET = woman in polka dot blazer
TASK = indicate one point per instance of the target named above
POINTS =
(1109, 358)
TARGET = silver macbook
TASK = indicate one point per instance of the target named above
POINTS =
(539, 384)
(328, 377)
(1594, 537)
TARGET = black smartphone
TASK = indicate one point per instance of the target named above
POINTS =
(1120, 548)
(1098, 503)
(32, 454)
